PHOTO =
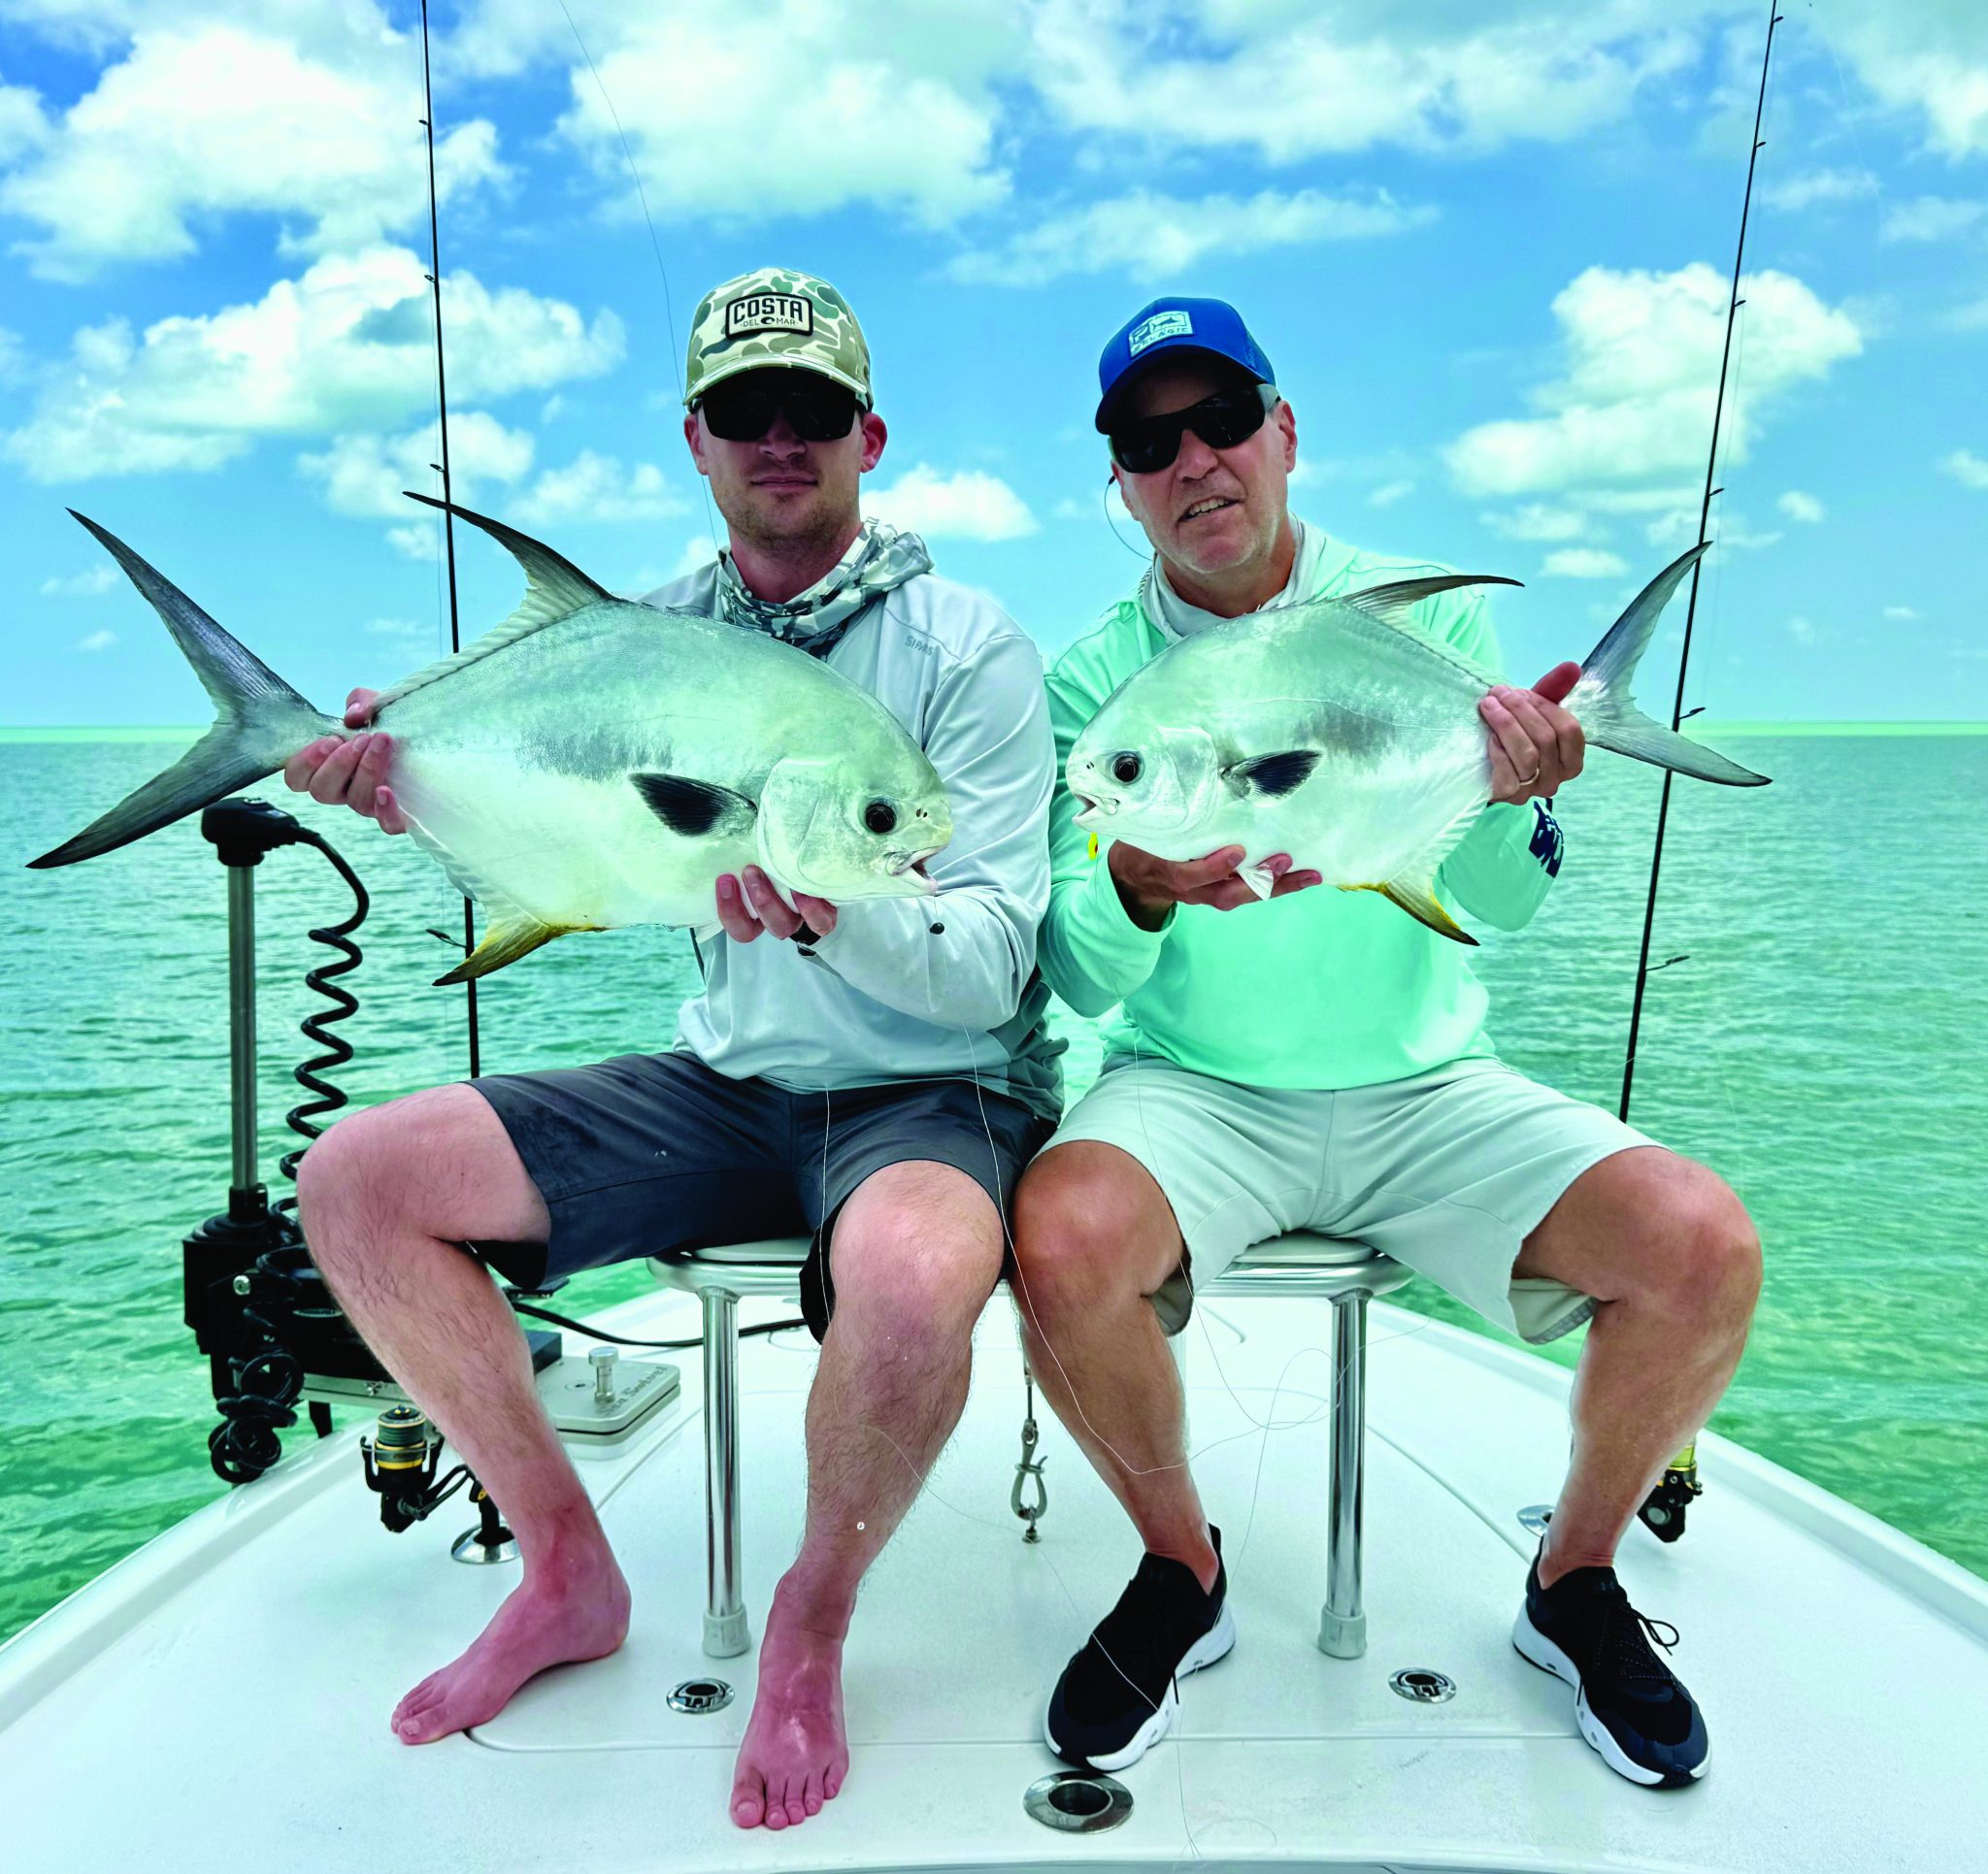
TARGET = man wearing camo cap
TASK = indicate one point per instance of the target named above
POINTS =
(877, 1074)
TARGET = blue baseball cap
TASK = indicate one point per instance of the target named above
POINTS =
(1175, 324)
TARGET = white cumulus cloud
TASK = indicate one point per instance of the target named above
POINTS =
(1901, 614)
(91, 584)
(1965, 468)
(367, 474)
(204, 120)
(1293, 81)
(1583, 563)
(1390, 492)
(968, 504)
(1152, 236)
(97, 641)
(1930, 217)
(1809, 186)
(1539, 521)
(892, 114)
(595, 487)
(1798, 506)
(347, 346)
(1642, 354)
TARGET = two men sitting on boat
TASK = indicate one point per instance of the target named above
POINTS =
(819, 1078)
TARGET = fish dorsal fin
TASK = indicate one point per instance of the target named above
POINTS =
(555, 589)
(1394, 605)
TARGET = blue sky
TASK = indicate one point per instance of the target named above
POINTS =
(1485, 245)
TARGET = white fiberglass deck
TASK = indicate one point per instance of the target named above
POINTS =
(222, 1699)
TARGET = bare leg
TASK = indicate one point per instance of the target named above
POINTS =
(1673, 1258)
(1094, 1236)
(384, 1197)
(915, 1253)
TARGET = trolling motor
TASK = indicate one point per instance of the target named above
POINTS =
(259, 1307)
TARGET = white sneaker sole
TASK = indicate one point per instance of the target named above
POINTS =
(1535, 1646)
(1215, 1644)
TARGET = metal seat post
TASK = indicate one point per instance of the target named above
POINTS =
(1343, 1621)
(728, 1632)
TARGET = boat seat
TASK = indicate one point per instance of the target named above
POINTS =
(1347, 1274)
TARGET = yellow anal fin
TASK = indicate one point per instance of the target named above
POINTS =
(1419, 902)
(505, 942)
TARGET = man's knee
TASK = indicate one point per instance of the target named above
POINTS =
(920, 1258)
(1077, 1236)
(438, 1161)
(1709, 1263)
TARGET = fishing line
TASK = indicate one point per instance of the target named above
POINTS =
(642, 196)
(1138, 553)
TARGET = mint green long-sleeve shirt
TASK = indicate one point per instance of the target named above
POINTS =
(1322, 988)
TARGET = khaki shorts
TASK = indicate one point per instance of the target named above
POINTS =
(1447, 1171)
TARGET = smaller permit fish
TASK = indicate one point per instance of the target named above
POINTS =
(588, 763)
(1342, 734)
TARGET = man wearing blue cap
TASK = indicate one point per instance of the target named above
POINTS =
(1320, 1062)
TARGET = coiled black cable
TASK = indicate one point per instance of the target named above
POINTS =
(318, 1027)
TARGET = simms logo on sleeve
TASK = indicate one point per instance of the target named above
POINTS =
(768, 312)
(1162, 325)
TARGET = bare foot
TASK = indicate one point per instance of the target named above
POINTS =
(795, 1755)
(555, 1615)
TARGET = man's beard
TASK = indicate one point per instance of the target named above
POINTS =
(822, 527)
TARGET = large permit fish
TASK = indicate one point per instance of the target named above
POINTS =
(588, 763)
(1341, 733)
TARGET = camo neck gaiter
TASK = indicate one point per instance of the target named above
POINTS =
(879, 558)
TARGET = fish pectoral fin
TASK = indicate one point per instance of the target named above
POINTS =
(1278, 774)
(1259, 878)
(1418, 900)
(504, 941)
(694, 807)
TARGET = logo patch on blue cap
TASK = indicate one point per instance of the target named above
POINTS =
(1162, 325)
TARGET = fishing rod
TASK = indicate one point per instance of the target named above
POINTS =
(1643, 971)
(469, 909)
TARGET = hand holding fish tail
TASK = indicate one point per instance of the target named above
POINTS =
(1536, 747)
(749, 907)
(1150, 887)
(349, 771)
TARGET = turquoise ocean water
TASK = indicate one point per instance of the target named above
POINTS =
(1821, 1046)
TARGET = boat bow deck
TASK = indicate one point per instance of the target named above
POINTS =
(225, 1692)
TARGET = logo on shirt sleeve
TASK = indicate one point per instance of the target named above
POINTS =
(1548, 843)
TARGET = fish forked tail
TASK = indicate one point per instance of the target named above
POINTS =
(1607, 714)
(260, 722)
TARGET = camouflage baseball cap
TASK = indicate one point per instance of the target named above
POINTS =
(775, 316)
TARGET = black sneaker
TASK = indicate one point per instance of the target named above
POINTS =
(1631, 1706)
(1118, 1696)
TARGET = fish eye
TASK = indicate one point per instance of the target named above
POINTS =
(879, 817)
(1126, 768)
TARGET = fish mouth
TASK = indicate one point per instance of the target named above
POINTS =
(912, 865)
(1091, 811)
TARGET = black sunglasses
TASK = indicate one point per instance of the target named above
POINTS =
(743, 408)
(1150, 443)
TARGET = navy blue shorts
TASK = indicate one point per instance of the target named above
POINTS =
(650, 1152)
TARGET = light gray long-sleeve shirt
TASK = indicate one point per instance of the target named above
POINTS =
(886, 996)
